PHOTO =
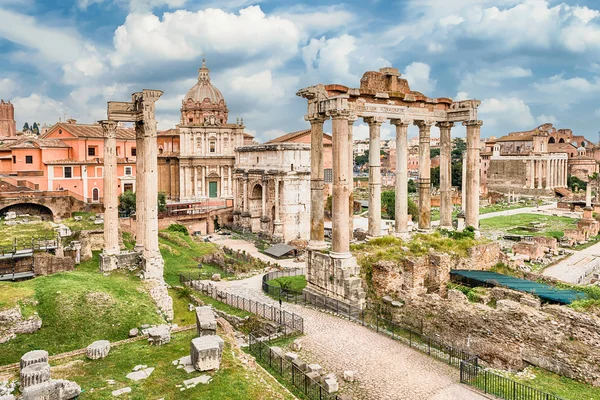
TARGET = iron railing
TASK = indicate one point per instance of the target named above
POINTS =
(282, 292)
(497, 385)
(277, 363)
(282, 317)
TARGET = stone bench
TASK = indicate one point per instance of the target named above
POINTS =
(206, 352)
(206, 323)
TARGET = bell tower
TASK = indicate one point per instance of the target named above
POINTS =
(8, 125)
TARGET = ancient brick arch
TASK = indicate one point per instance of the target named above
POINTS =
(48, 208)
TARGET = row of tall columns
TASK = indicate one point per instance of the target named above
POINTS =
(553, 170)
(111, 202)
(190, 174)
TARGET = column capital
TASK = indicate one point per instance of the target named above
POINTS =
(424, 126)
(338, 114)
(374, 120)
(352, 118)
(445, 125)
(401, 122)
(109, 128)
(474, 122)
(315, 118)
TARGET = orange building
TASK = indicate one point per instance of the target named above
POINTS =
(68, 157)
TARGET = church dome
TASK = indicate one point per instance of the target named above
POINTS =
(204, 89)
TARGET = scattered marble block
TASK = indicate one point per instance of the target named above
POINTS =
(77, 218)
(313, 376)
(216, 277)
(97, 350)
(121, 391)
(134, 332)
(159, 335)
(349, 376)
(191, 307)
(314, 368)
(206, 323)
(55, 389)
(296, 345)
(397, 304)
(140, 374)
(190, 383)
(300, 364)
(35, 374)
(331, 385)
(277, 351)
(7, 397)
(206, 352)
(291, 356)
(34, 357)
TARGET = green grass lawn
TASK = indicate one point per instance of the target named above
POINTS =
(181, 254)
(295, 283)
(84, 225)
(77, 308)
(23, 233)
(512, 223)
(233, 381)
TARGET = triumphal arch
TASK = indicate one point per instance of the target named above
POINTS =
(383, 95)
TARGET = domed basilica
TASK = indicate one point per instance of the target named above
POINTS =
(196, 159)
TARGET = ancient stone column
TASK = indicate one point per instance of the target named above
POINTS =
(204, 190)
(445, 174)
(195, 192)
(351, 121)
(229, 185)
(551, 174)
(532, 174)
(153, 264)
(317, 201)
(463, 188)
(110, 183)
(340, 240)
(547, 166)
(424, 174)
(246, 222)
(473, 178)
(264, 199)
(401, 226)
(140, 187)
(539, 174)
(374, 229)
(222, 188)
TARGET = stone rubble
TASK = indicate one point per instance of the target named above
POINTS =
(159, 335)
(98, 350)
(206, 352)
(121, 391)
(190, 383)
(206, 323)
(34, 374)
(33, 357)
(140, 374)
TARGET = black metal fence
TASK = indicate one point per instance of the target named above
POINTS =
(312, 389)
(278, 291)
(33, 244)
(495, 384)
(282, 317)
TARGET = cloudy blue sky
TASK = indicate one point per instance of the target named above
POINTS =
(528, 61)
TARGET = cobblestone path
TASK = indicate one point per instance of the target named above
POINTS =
(386, 369)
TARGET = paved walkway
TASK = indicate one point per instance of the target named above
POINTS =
(386, 369)
(573, 268)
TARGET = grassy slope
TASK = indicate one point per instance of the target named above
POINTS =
(78, 307)
(24, 233)
(555, 225)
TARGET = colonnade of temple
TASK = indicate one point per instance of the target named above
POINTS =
(547, 172)
(342, 122)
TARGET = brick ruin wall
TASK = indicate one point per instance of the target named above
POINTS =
(514, 334)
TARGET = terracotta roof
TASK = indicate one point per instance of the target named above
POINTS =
(554, 147)
(34, 143)
(327, 139)
(247, 135)
(90, 131)
(516, 137)
(99, 162)
(169, 132)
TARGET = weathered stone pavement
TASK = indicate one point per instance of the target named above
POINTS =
(385, 369)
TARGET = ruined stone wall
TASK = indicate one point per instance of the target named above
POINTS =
(12, 322)
(91, 241)
(508, 176)
(431, 272)
(46, 264)
(511, 335)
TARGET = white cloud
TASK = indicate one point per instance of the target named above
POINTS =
(460, 96)
(330, 57)
(492, 77)
(185, 35)
(7, 87)
(418, 76)
(262, 87)
(316, 20)
(136, 5)
(543, 119)
(506, 113)
(569, 91)
(41, 109)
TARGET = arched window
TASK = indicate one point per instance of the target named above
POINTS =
(551, 140)
(561, 140)
(95, 195)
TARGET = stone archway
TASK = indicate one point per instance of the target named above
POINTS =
(33, 209)
(561, 140)
(551, 140)
(95, 195)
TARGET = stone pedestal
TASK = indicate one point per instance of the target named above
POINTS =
(159, 335)
(277, 232)
(54, 389)
(97, 350)
(206, 323)
(206, 352)
(334, 279)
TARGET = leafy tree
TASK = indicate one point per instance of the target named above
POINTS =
(328, 204)
(178, 228)
(361, 160)
(35, 129)
(162, 202)
(435, 176)
(434, 152)
(388, 205)
(459, 146)
(412, 186)
(127, 202)
(457, 173)
(25, 127)
(575, 183)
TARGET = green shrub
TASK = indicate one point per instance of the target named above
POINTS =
(178, 228)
